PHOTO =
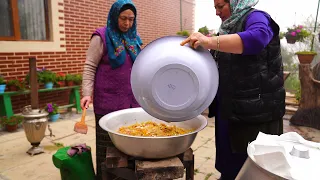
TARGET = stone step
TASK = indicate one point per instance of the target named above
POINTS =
(287, 117)
(291, 101)
(291, 109)
(288, 94)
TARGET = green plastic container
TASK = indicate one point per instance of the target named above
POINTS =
(78, 167)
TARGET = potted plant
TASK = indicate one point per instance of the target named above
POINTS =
(70, 79)
(39, 71)
(52, 109)
(2, 84)
(11, 124)
(47, 78)
(296, 33)
(13, 85)
(77, 79)
(61, 79)
(306, 57)
(22, 84)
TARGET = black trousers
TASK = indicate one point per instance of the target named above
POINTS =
(102, 142)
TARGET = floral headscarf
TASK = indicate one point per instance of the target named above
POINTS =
(118, 42)
(238, 9)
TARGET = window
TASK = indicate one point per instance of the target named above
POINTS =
(24, 20)
(28, 31)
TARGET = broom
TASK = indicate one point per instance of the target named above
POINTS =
(81, 126)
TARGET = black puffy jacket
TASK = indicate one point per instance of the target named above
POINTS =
(251, 93)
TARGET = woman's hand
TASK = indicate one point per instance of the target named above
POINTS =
(85, 101)
(230, 43)
(197, 39)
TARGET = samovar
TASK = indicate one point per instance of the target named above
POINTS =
(35, 120)
(34, 125)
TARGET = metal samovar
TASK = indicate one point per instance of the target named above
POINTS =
(34, 125)
(35, 120)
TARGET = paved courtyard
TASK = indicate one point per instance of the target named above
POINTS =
(16, 164)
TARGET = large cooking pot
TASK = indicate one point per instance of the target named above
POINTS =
(288, 156)
(149, 147)
(251, 170)
(173, 82)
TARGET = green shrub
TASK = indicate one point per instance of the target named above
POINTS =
(183, 33)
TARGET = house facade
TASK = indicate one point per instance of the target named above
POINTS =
(57, 34)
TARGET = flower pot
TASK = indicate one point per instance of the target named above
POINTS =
(40, 86)
(13, 88)
(70, 83)
(291, 39)
(2, 88)
(61, 83)
(48, 85)
(77, 83)
(305, 58)
(11, 128)
(54, 118)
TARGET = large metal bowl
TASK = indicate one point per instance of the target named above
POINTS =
(173, 82)
(149, 147)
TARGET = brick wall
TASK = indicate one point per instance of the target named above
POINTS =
(156, 18)
(188, 14)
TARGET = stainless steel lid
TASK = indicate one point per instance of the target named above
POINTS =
(28, 112)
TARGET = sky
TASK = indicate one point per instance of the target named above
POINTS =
(285, 12)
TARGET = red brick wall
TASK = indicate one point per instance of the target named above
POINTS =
(156, 18)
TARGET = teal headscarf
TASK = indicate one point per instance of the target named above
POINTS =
(119, 42)
(238, 9)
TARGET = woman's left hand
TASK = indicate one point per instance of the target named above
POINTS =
(197, 39)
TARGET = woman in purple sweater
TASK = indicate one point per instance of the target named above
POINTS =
(251, 96)
(107, 69)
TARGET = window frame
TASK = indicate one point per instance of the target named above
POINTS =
(16, 25)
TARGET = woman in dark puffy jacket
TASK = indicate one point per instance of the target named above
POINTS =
(251, 96)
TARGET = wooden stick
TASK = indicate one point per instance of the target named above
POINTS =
(33, 83)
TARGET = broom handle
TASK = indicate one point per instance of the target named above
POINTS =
(83, 115)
